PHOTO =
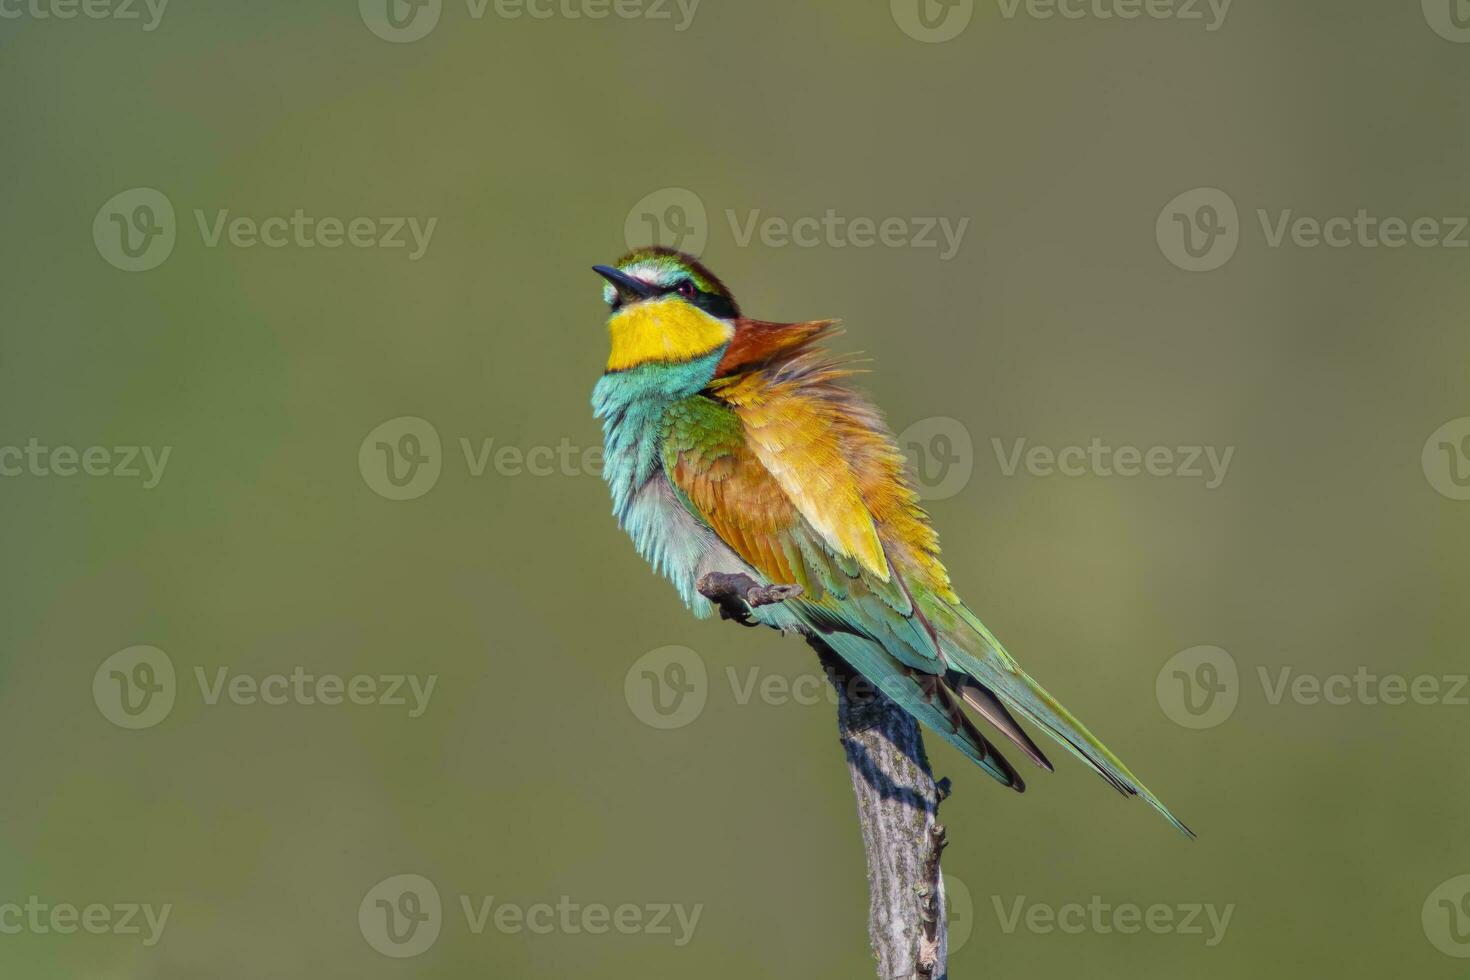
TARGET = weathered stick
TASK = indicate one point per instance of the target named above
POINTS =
(897, 798)
(898, 806)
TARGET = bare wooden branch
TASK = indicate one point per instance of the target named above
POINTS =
(898, 807)
(897, 799)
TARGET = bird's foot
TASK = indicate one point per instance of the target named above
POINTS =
(738, 595)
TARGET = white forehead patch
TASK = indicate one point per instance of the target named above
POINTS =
(655, 273)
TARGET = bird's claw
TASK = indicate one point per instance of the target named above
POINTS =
(739, 595)
(739, 611)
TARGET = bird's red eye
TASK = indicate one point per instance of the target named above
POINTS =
(687, 289)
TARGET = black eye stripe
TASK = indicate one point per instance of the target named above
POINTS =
(715, 305)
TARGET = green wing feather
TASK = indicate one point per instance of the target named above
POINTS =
(772, 465)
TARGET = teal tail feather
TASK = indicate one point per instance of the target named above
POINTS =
(926, 698)
(973, 649)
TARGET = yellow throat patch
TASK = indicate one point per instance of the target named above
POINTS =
(666, 330)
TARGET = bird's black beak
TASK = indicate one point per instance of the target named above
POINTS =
(631, 290)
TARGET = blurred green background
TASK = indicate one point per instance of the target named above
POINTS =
(535, 142)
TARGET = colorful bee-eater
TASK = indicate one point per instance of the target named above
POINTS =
(738, 446)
